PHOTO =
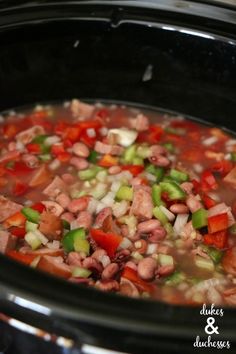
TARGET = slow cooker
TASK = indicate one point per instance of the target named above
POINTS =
(175, 55)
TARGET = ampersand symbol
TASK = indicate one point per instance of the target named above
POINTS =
(210, 323)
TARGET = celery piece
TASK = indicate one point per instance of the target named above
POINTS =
(45, 157)
(174, 191)
(40, 139)
(204, 263)
(90, 173)
(165, 259)
(156, 195)
(233, 156)
(31, 214)
(143, 151)
(138, 161)
(125, 193)
(160, 215)
(81, 245)
(169, 147)
(199, 218)
(81, 272)
(30, 226)
(130, 154)
(175, 279)
(179, 176)
(32, 240)
(158, 172)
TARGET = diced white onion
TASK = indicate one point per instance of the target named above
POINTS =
(41, 237)
(103, 131)
(54, 245)
(51, 140)
(228, 157)
(210, 141)
(120, 208)
(108, 200)
(180, 221)
(151, 248)
(20, 146)
(125, 243)
(125, 137)
(54, 165)
(170, 216)
(115, 186)
(198, 168)
(105, 260)
(101, 176)
(74, 225)
(230, 142)
(92, 205)
(91, 133)
(150, 177)
(100, 206)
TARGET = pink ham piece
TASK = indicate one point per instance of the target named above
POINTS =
(142, 205)
(56, 187)
(8, 208)
(108, 149)
(102, 215)
(54, 266)
(7, 241)
(28, 135)
(81, 109)
(231, 177)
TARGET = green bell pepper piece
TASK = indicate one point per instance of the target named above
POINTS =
(69, 239)
(199, 218)
(174, 191)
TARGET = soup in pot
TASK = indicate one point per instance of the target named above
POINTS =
(139, 203)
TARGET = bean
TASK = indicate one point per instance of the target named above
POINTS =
(179, 209)
(159, 160)
(93, 264)
(53, 207)
(107, 285)
(79, 162)
(157, 150)
(157, 235)
(74, 259)
(114, 170)
(110, 271)
(147, 268)
(148, 226)
(141, 246)
(98, 254)
(80, 150)
(68, 178)
(131, 265)
(128, 288)
(84, 219)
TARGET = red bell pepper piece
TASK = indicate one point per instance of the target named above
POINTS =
(40, 207)
(17, 219)
(196, 185)
(103, 113)
(21, 257)
(108, 241)
(57, 149)
(19, 188)
(87, 140)
(10, 130)
(19, 169)
(223, 167)
(34, 148)
(218, 239)
(208, 201)
(208, 181)
(152, 135)
(60, 127)
(134, 169)
(18, 231)
(132, 275)
(64, 156)
(72, 133)
(108, 161)
(218, 223)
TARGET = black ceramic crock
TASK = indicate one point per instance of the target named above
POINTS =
(174, 55)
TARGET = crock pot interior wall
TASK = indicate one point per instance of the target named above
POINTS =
(191, 75)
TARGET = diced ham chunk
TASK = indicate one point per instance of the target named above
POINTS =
(81, 109)
(193, 203)
(140, 123)
(231, 177)
(7, 241)
(56, 187)
(44, 251)
(28, 135)
(8, 208)
(108, 149)
(142, 205)
(54, 266)
(51, 225)
(222, 208)
(84, 219)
